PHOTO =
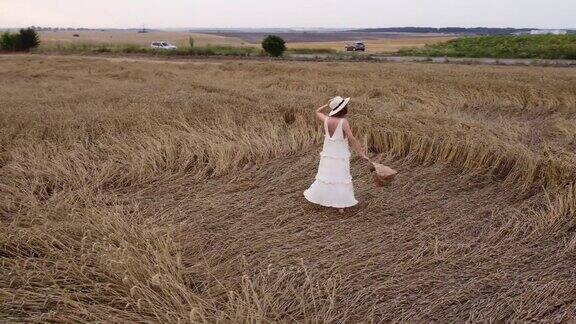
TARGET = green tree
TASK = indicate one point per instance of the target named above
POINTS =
(27, 39)
(274, 45)
(8, 42)
(191, 41)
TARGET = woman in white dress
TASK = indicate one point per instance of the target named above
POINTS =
(333, 185)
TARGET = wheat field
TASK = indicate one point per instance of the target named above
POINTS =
(50, 38)
(384, 45)
(146, 192)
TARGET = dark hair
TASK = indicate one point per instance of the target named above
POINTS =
(342, 112)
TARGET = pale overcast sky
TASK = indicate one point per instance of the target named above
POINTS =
(288, 13)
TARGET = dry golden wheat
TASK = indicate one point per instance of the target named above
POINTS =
(49, 38)
(145, 192)
(381, 45)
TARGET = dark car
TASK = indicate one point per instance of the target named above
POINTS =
(358, 46)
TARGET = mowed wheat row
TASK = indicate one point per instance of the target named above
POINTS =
(164, 192)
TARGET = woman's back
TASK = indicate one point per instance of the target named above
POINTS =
(335, 143)
(332, 125)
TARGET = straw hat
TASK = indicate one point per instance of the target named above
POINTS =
(336, 104)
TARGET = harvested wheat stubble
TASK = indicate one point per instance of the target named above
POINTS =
(134, 191)
(131, 37)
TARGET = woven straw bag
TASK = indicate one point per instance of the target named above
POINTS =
(383, 175)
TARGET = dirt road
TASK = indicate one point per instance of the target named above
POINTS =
(313, 57)
(451, 60)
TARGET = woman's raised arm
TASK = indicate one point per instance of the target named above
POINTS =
(320, 115)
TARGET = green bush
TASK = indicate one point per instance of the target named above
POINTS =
(274, 45)
(506, 46)
(25, 40)
(8, 42)
(191, 41)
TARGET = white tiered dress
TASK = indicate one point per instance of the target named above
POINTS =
(333, 186)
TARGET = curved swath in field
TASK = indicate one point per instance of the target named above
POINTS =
(180, 198)
(434, 246)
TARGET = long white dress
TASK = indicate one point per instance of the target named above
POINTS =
(333, 186)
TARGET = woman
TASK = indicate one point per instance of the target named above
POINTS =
(333, 186)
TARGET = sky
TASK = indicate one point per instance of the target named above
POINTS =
(287, 13)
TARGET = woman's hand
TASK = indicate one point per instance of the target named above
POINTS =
(367, 158)
(321, 108)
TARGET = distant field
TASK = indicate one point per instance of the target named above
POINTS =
(329, 41)
(384, 45)
(525, 46)
(132, 37)
(309, 37)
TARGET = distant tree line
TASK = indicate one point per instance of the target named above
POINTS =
(55, 29)
(38, 28)
(449, 30)
(24, 40)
